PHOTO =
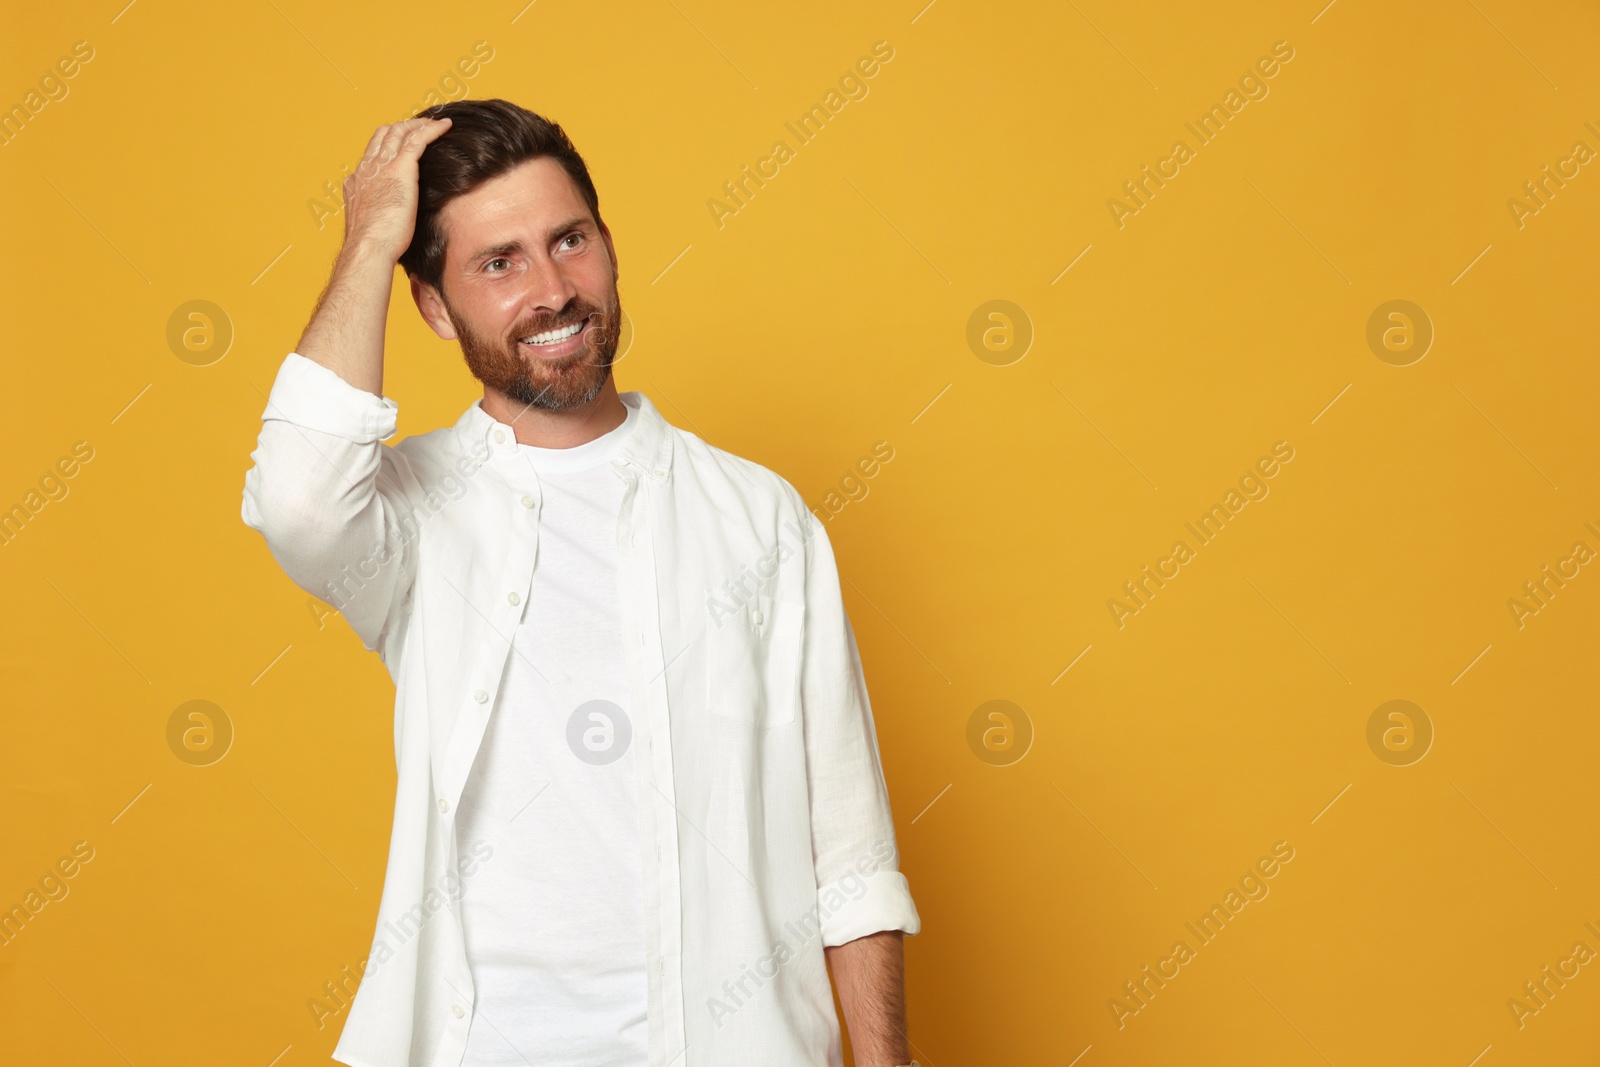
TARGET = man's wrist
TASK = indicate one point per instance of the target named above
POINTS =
(364, 258)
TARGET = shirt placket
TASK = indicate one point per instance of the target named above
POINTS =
(657, 796)
(502, 607)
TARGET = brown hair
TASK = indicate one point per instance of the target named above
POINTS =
(486, 138)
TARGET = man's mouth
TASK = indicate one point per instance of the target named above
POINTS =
(558, 341)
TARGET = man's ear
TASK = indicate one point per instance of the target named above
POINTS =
(432, 307)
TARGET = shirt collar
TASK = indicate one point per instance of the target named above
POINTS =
(647, 449)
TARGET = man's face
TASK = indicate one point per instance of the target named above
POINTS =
(525, 265)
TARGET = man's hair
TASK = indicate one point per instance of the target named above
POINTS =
(486, 138)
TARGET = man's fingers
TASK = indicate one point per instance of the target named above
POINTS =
(418, 138)
(381, 138)
(389, 141)
(375, 155)
(435, 129)
(391, 144)
(373, 142)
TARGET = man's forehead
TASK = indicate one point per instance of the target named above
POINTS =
(531, 197)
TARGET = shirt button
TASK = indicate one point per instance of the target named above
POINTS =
(527, 501)
(480, 696)
(757, 618)
(444, 805)
(514, 598)
(459, 1010)
(499, 437)
(660, 473)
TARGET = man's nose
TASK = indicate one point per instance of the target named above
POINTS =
(550, 290)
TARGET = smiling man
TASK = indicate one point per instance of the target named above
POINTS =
(639, 809)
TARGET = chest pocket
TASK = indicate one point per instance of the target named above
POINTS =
(753, 662)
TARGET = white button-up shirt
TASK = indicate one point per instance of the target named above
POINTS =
(764, 817)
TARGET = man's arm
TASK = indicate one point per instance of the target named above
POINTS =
(330, 500)
(869, 973)
(380, 215)
(866, 900)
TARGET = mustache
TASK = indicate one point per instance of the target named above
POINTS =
(604, 330)
(557, 322)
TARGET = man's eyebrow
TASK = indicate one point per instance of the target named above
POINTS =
(503, 249)
(506, 248)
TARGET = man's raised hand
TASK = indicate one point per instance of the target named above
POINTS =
(380, 198)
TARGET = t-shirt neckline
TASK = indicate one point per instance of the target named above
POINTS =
(586, 456)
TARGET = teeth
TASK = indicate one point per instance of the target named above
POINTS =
(551, 336)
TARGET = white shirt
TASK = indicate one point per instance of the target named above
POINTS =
(764, 818)
(559, 967)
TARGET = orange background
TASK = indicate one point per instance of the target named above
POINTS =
(829, 313)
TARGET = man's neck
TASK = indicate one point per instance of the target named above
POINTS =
(558, 429)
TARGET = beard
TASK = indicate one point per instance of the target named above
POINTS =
(551, 384)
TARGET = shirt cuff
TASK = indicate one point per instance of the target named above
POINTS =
(310, 395)
(848, 911)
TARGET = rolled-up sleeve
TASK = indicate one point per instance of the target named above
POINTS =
(329, 497)
(859, 885)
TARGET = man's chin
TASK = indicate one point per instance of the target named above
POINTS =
(556, 387)
(555, 366)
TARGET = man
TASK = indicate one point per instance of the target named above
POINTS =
(639, 809)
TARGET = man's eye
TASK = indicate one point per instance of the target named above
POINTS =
(572, 237)
(492, 262)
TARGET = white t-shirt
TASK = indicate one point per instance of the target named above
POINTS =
(554, 923)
